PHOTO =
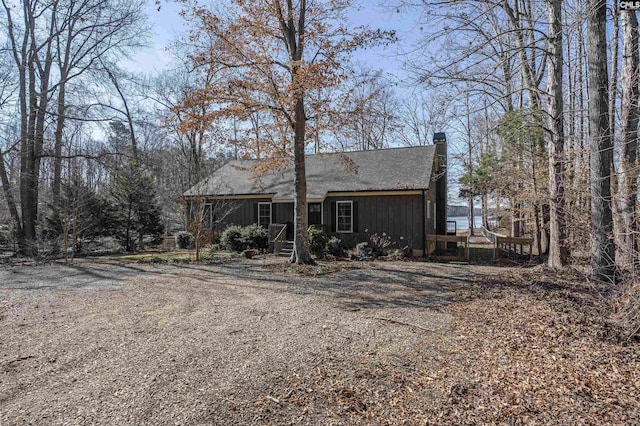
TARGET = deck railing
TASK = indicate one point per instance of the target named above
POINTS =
(514, 245)
(503, 243)
(491, 236)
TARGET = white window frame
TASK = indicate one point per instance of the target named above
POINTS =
(270, 212)
(350, 231)
(428, 209)
(435, 219)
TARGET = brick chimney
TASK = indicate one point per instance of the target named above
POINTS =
(440, 141)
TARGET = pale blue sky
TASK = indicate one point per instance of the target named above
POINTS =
(168, 25)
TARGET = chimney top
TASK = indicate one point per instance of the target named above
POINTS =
(439, 137)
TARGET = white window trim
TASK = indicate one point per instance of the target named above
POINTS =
(435, 219)
(337, 210)
(428, 209)
(270, 211)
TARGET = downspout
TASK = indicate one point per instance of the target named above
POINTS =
(424, 224)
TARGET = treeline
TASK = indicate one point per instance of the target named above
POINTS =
(83, 139)
(542, 95)
(87, 148)
(549, 98)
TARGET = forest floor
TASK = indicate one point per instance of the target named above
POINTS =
(263, 342)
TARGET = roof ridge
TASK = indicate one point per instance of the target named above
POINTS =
(393, 148)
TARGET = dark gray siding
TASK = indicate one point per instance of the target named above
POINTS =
(244, 212)
(284, 212)
(402, 217)
(398, 216)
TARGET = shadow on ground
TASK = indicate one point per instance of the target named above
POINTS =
(389, 284)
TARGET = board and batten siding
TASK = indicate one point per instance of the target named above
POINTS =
(398, 216)
(246, 212)
(403, 217)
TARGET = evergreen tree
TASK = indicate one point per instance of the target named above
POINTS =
(138, 213)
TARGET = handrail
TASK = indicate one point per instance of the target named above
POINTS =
(491, 236)
(279, 236)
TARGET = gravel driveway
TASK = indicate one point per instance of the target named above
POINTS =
(194, 344)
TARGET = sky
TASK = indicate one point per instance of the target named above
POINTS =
(168, 26)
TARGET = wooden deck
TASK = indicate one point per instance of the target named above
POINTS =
(479, 247)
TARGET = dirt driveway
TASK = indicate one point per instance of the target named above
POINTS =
(235, 344)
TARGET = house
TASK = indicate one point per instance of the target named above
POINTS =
(401, 192)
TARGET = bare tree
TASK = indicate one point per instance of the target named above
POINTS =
(626, 254)
(52, 43)
(369, 116)
(555, 119)
(600, 142)
(420, 116)
(275, 56)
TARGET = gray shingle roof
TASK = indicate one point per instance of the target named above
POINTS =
(376, 170)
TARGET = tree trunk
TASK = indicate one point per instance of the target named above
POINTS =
(484, 199)
(300, 253)
(600, 143)
(294, 38)
(626, 253)
(613, 81)
(11, 203)
(57, 151)
(557, 248)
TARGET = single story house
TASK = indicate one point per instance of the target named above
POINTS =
(401, 192)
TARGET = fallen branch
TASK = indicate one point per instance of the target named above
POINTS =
(402, 323)
(24, 358)
(276, 400)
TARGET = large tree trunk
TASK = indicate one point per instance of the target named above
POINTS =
(626, 254)
(600, 143)
(300, 253)
(557, 248)
(295, 45)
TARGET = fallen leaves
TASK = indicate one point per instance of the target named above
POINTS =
(525, 349)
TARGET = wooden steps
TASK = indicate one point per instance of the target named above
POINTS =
(286, 249)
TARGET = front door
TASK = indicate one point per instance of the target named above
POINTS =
(314, 213)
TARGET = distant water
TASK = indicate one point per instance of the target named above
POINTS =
(462, 222)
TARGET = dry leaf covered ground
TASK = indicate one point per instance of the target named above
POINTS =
(342, 343)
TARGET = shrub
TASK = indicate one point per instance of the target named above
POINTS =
(317, 242)
(363, 249)
(238, 238)
(255, 237)
(335, 247)
(378, 244)
(232, 238)
(185, 240)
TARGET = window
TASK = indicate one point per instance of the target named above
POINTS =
(428, 209)
(344, 216)
(264, 214)
(315, 214)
